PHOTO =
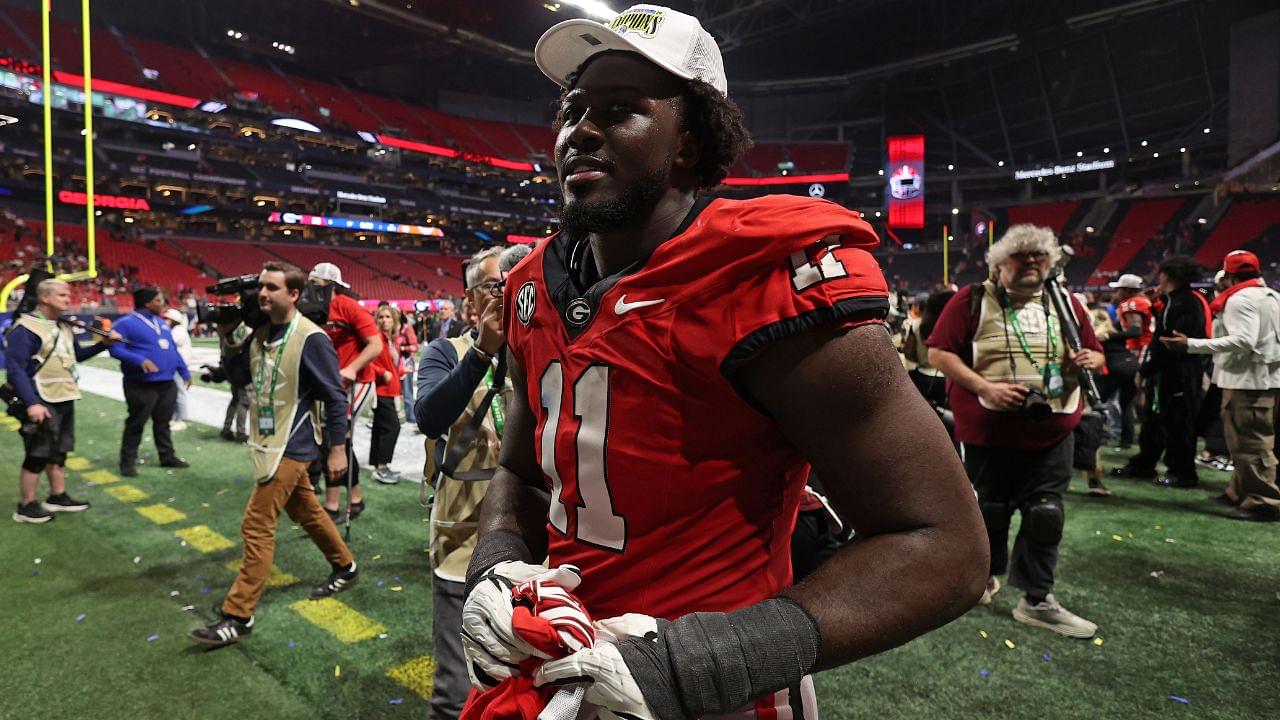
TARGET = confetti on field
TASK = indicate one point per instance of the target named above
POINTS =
(188, 608)
(1097, 641)
(1009, 644)
(337, 671)
(35, 573)
(395, 701)
(1156, 527)
(381, 583)
(1157, 573)
(1170, 540)
(153, 638)
(293, 644)
(396, 588)
(80, 617)
(38, 560)
(1182, 700)
(377, 557)
(137, 559)
(1117, 538)
(983, 633)
(382, 636)
(174, 593)
(984, 672)
(1044, 657)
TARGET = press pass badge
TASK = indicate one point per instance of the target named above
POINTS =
(266, 420)
(1053, 383)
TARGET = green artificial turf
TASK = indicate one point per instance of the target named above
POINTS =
(1203, 628)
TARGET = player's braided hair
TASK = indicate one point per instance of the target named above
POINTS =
(715, 120)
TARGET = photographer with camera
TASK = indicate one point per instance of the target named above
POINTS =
(1014, 386)
(292, 368)
(40, 357)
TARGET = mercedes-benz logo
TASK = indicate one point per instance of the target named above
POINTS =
(526, 301)
(578, 312)
(817, 190)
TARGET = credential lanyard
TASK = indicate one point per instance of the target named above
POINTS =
(1022, 338)
(275, 369)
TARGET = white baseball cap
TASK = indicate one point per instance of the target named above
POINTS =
(328, 271)
(1128, 281)
(670, 39)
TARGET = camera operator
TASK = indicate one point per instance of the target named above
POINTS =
(293, 371)
(1003, 351)
(40, 356)
(358, 342)
(454, 380)
(235, 426)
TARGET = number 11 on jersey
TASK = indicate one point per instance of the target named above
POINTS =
(597, 523)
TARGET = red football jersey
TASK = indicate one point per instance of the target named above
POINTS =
(670, 488)
(348, 325)
(1141, 305)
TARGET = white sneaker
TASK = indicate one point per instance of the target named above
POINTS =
(993, 587)
(177, 426)
(1052, 616)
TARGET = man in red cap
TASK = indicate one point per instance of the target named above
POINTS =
(1246, 365)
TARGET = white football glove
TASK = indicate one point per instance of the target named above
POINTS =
(610, 687)
(492, 649)
(609, 684)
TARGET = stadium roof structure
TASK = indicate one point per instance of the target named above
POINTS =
(995, 84)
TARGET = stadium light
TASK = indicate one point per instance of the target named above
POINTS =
(1182, 149)
(593, 8)
(1143, 143)
(1000, 163)
(880, 172)
(1155, 154)
(295, 124)
(1206, 131)
(1106, 150)
(955, 211)
(951, 166)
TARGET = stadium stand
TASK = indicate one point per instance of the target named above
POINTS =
(1050, 215)
(1242, 224)
(819, 157)
(1141, 221)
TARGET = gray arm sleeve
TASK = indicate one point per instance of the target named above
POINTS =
(716, 663)
(492, 548)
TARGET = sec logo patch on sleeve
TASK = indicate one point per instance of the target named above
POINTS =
(526, 302)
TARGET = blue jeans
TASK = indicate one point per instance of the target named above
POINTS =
(406, 389)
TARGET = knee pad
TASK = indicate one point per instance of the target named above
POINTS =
(1043, 520)
(34, 465)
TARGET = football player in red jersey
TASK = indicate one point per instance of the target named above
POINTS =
(679, 362)
(1134, 310)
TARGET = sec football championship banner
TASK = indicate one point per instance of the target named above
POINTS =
(905, 171)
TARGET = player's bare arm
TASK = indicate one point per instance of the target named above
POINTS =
(888, 467)
(516, 503)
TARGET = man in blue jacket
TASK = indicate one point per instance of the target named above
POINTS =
(148, 362)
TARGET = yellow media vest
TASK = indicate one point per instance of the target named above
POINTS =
(266, 451)
(455, 514)
(995, 342)
(56, 379)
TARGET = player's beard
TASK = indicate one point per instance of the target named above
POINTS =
(631, 207)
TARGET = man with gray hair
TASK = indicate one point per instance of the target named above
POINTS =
(41, 355)
(455, 377)
(1014, 388)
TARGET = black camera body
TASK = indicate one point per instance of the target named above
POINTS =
(1035, 406)
(313, 303)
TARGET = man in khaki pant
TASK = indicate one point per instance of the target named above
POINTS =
(292, 370)
(1246, 365)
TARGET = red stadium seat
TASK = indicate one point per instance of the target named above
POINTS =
(1243, 222)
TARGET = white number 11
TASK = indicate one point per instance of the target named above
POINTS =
(597, 523)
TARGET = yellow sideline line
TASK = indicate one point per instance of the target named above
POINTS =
(100, 477)
(203, 539)
(161, 514)
(276, 579)
(126, 493)
(416, 675)
(77, 464)
(338, 619)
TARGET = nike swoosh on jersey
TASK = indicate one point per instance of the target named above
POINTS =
(623, 307)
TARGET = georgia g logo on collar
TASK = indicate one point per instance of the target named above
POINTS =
(526, 302)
